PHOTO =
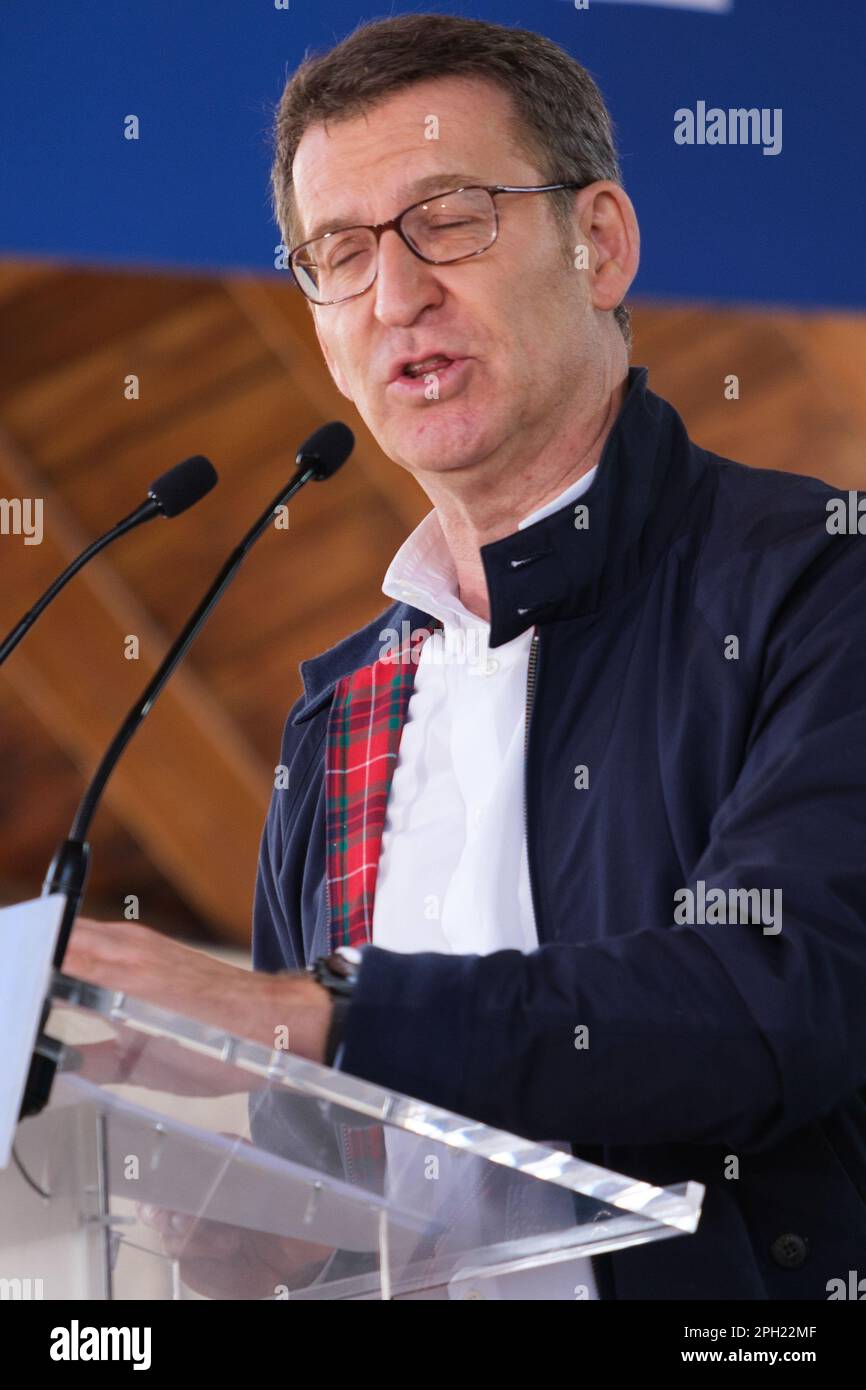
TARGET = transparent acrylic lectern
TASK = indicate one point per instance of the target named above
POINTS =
(287, 1180)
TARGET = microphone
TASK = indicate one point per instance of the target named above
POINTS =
(172, 493)
(182, 486)
(318, 459)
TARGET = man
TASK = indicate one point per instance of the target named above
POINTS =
(598, 824)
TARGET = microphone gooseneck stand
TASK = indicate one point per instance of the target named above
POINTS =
(317, 460)
(172, 493)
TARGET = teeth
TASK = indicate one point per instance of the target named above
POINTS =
(429, 364)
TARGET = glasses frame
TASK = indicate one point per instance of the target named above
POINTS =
(395, 224)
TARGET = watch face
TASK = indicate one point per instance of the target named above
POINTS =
(339, 965)
(336, 973)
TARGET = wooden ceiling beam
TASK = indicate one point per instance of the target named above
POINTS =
(189, 788)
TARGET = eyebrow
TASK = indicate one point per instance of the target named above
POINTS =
(414, 191)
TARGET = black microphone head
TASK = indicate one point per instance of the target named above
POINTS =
(183, 485)
(326, 450)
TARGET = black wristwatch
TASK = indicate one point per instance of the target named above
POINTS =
(338, 973)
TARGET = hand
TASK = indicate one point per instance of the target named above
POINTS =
(288, 1010)
(223, 1261)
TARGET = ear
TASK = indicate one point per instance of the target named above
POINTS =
(333, 366)
(608, 225)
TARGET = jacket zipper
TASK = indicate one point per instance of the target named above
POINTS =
(530, 699)
(328, 947)
(342, 1130)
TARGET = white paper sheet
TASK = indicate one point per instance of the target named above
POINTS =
(28, 932)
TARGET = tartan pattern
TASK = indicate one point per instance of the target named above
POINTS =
(363, 739)
(365, 723)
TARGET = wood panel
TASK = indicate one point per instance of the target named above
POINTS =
(187, 761)
(231, 367)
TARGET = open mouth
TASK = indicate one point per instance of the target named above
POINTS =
(434, 378)
(427, 364)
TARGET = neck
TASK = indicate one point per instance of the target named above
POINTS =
(498, 498)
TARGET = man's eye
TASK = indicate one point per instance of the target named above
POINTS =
(343, 252)
(447, 226)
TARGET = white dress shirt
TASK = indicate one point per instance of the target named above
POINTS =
(453, 873)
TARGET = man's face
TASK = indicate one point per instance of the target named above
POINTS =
(517, 319)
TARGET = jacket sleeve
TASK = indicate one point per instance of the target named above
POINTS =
(695, 1033)
(277, 939)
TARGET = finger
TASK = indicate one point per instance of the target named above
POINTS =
(159, 1218)
(200, 1243)
(189, 1236)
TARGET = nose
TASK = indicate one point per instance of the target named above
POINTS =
(405, 286)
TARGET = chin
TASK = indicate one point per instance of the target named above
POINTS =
(439, 443)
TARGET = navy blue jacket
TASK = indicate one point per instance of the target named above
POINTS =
(701, 651)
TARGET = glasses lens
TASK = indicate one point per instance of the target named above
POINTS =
(446, 229)
(336, 266)
(343, 264)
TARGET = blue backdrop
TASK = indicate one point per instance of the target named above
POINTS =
(722, 222)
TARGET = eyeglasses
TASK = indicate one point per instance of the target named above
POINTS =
(450, 227)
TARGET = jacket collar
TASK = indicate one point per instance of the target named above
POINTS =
(423, 570)
(553, 569)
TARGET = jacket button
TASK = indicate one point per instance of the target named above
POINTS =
(789, 1251)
